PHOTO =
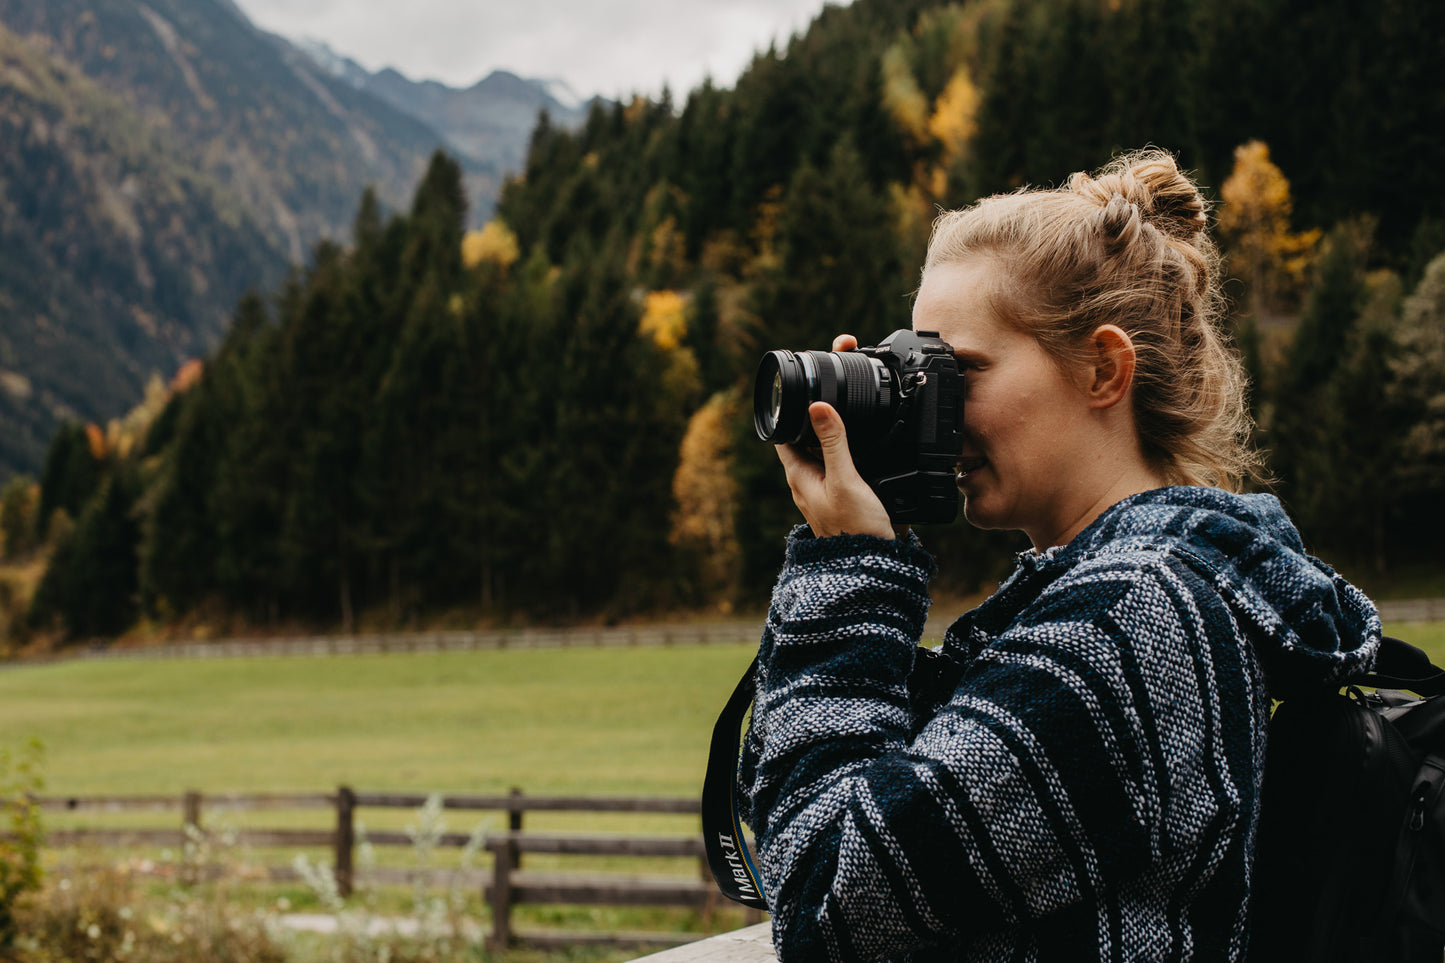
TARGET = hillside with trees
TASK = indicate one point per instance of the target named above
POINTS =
(158, 159)
(120, 258)
(546, 419)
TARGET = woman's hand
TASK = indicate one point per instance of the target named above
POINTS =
(833, 497)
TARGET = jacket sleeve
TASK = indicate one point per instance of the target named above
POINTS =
(1035, 790)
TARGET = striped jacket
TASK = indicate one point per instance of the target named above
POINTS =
(1088, 790)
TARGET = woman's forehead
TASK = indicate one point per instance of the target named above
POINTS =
(958, 299)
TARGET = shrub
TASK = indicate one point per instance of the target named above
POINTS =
(20, 848)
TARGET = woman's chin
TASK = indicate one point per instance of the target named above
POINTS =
(985, 505)
(976, 508)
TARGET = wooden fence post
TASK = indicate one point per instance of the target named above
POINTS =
(191, 836)
(514, 824)
(501, 901)
(345, 838)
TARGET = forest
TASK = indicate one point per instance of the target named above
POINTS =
(546, 420)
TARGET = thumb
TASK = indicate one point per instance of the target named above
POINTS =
(832, 437)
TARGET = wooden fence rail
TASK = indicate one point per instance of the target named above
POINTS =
(724, 633)
(502, 889)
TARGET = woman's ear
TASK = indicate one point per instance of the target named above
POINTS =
(1113, 366)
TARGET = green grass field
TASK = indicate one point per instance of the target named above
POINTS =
(590, 721)
(574, 721)
(631, 722)
(581, 721)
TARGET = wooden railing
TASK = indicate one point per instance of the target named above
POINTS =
(752, 944)
(505, 887)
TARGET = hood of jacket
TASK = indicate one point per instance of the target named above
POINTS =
(1309, 626)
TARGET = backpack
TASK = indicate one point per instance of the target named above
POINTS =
(1350, 854)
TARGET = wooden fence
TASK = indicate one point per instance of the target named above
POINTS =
(503, 888)
(723, 633)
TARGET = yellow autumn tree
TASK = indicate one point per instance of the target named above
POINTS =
(1255, 221)
(942, 127)
(664, 322)
(495, 243)
(955, 114)
(703, 521)
(905, 101)
(664, 319)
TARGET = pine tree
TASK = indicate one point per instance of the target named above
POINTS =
(19, 514)
(72, 474)
(90, 586)
(1417, 393)
(323, 349)
(1301, 433)
(253, 463)
(179, 544)
(1346, 482)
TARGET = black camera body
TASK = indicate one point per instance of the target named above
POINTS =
(902, 404)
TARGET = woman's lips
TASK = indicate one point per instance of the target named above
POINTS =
(969, 464)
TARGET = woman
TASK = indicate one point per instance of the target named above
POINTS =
(1085, 784)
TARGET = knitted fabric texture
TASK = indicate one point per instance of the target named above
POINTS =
(1090, 788)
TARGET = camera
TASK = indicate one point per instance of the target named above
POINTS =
(901, 402)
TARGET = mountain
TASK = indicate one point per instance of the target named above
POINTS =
(160, 158)
(293, 143)
(488, 123)
(117, 257)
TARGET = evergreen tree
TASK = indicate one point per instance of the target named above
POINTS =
(72, 474)
(437, 224)
(177, 553)
(19, 511)
(90, 585)
(1345, 483)
(253, 462)
(1153, 78)
(322, 355)
(1299, 434)
(1417, 394)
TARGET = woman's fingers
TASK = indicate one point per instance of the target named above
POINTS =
(832, 496)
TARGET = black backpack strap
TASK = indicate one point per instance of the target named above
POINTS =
(722, 829)
(1400, 665)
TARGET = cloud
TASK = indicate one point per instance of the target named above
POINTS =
(612, 49)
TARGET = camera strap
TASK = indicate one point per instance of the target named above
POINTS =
(722, 829)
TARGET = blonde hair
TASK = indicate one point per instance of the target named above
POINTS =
(1128, 246)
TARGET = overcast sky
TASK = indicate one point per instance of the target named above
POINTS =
(607, 47)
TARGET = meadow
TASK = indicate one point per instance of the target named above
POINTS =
(579, 721)
(584, 721)
(603, 721)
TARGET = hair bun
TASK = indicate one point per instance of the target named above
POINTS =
(1151, 184)
(1120, 222)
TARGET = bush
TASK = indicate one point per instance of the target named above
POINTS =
(97, 917)
(20, 849)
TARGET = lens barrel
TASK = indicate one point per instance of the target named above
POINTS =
(858, 386)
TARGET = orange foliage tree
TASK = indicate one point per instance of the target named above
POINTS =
(706, 494)
(1255, 219)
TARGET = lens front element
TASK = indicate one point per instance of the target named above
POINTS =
(780, 398)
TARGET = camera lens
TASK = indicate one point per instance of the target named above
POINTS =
(858, 386)
(781, 396)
